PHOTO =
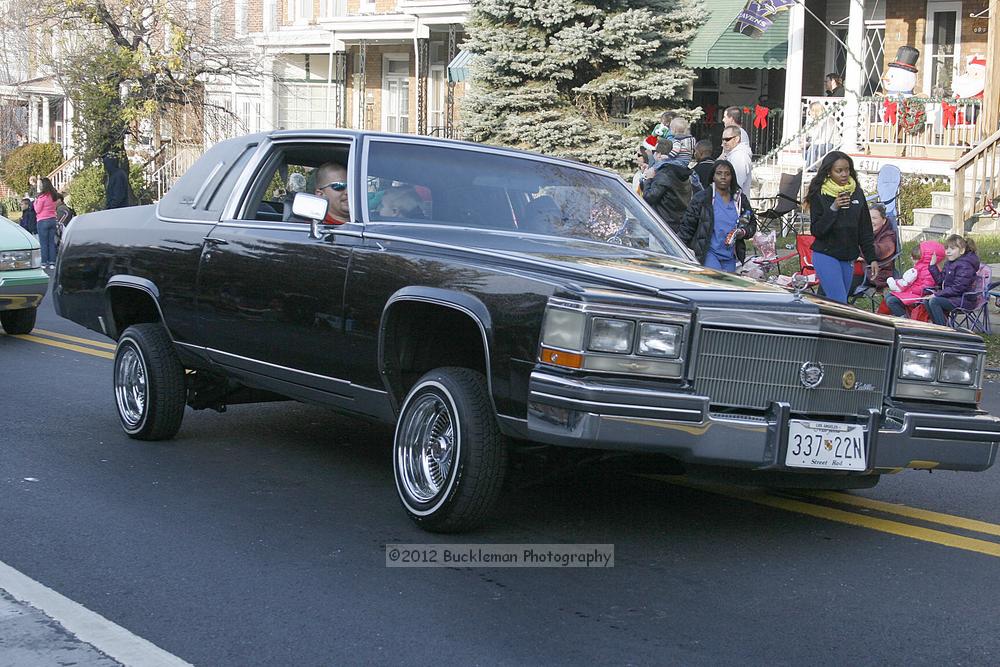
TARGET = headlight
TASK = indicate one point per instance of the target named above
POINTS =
(659, 340)
(20, 259)
(608, 335)
(563, 329)
(919, 365)
(958, 368)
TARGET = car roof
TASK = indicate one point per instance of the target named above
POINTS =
(423, 138)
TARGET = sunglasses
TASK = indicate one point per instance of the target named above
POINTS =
(725, 139)
(336, 186)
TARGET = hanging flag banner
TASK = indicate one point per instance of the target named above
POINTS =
(755, 18)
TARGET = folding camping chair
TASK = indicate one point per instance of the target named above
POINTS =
(784, 205)
(887, 193)
(975, 317)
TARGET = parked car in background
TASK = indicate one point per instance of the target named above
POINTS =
(481, 298)
(23, 283)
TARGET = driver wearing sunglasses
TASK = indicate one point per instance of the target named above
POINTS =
(331, 184)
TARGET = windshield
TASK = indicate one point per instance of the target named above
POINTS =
(444, 185)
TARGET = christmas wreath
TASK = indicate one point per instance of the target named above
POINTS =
(912, 116)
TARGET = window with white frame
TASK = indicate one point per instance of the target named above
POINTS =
(942, 46)
(299, 11)
(240, 17)
(396, 92)
(304, 94)
(437, 89)
(330, 8)
(215, 19)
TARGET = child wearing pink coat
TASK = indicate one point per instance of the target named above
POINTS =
(913, 291)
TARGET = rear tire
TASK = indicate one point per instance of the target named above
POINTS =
(150, 391)
(16, 322)
(449, 457)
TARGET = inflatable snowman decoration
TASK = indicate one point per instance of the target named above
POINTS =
(901, 76)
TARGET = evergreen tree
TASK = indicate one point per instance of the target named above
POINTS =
(550, 75)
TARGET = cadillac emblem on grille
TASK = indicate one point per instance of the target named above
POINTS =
(849, 380)
(811, 374)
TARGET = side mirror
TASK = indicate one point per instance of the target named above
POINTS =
(312, 208)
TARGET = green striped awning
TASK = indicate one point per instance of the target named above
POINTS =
(458, 68)
(716, 45)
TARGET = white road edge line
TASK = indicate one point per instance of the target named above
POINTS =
(88, 626)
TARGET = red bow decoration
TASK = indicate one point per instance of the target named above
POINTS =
(746, 109)
(891, 109)
(948, 119)
(711, 111)
(760, 117)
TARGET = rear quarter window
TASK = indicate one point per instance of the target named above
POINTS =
(202, 192)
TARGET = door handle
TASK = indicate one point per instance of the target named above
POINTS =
(211, 240)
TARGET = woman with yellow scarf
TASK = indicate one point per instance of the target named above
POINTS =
(839, 219)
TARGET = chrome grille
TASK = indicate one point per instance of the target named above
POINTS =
(750, 370)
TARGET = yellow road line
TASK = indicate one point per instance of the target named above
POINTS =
(75, 339)
(910, 512)
(67, 346)
(851, 518)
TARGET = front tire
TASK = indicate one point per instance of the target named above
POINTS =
(449, 457)
(17, 322)
(150, 391)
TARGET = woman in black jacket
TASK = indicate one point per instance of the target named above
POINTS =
(841, 224)
(718, 220)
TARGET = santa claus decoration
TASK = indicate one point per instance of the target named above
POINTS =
(972, 82)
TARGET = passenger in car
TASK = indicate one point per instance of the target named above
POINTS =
(331, 184)
(401, 202)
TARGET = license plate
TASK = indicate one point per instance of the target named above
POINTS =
(825, 445)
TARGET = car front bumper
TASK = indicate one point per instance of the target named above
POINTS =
(577, 413)
(23, 288)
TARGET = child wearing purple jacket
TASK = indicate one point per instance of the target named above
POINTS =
(956, 278)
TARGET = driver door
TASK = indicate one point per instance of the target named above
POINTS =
(271, 297)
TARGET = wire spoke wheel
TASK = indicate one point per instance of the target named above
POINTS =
(427, 448)
(449, 457)
(130, 386)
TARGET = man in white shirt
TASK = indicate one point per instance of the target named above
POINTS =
(738, 154)
(733, 117)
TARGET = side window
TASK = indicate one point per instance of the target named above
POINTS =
(290, 169)
(393, 200)
(202, 192)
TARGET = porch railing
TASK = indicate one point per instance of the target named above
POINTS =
(975, 184)
(64, 173)
(920, 127)
(161, 178)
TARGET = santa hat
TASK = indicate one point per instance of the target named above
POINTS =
(977, 61)
(649, 143)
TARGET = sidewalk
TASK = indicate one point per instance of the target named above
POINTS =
(29, 638)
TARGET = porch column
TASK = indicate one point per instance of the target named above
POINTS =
(854, 76)
(991, 97)
(268, 112)
(46, 133)
(68, 111)
(33, 120)
(793, 72)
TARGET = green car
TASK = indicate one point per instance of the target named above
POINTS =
(23, 283)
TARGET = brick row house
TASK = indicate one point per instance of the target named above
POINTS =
(397, 66)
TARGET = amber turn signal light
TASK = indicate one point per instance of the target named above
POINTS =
(560, 358)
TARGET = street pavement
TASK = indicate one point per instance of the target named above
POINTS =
(257, 537)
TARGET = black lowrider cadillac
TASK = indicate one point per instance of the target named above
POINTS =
(480, 299)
